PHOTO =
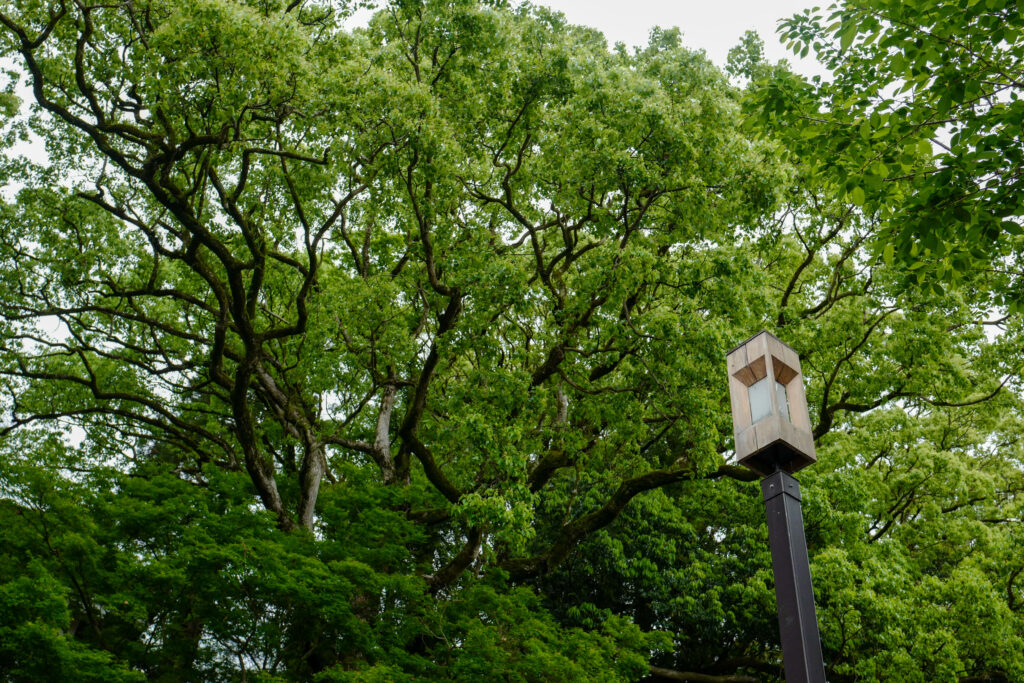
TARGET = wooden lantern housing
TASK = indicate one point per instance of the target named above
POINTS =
(769, 408)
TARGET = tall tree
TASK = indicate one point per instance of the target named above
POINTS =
(396, 260)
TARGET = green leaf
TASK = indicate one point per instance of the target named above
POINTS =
(1012, 227)
(849, 33)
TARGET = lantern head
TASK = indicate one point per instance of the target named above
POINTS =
(770, 422)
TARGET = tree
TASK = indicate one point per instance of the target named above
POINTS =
(445, 295)
(901, 509)
(930, 92)
(256, 267)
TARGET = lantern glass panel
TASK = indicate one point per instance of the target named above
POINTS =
(780, 393)
(760, 400)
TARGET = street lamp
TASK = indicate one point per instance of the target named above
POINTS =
(772, 431)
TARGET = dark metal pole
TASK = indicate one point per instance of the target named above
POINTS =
(798, 624)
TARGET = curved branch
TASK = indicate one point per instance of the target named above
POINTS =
(571, 534)
(661, 674)
(453, 570)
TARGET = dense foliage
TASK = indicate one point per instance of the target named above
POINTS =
(945, 78)
(397, 353)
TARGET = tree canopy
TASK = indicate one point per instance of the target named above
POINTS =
(397, 353)
(930, 93)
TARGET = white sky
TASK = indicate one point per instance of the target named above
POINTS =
(712, 26)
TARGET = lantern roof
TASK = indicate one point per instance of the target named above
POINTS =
(755, 336)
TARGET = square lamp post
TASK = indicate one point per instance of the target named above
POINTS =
(769, 408)
(772, 430)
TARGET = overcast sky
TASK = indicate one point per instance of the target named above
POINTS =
(714, 26)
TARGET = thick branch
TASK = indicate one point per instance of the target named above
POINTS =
(453, 570)
(382, 442)
(417, 405)
(260, 469)
(571, 534)
(661, 674)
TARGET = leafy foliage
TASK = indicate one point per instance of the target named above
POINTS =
(930, 93)
(396, 353)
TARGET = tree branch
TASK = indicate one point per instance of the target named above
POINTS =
(661, 674)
